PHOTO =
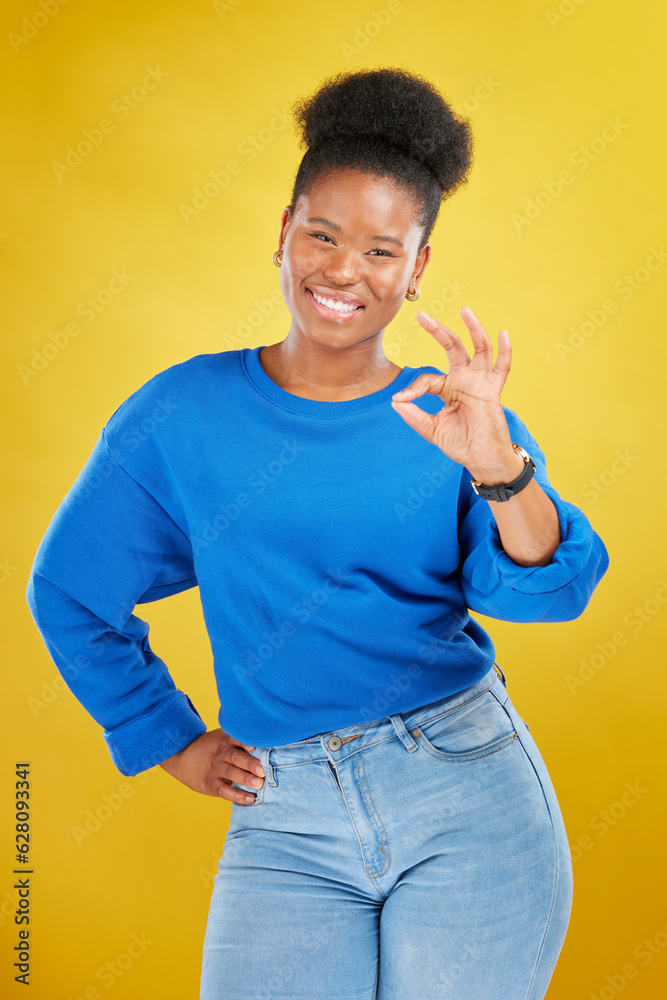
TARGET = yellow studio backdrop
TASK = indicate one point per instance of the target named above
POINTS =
(149, 155)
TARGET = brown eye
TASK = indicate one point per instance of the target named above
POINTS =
(384, 253)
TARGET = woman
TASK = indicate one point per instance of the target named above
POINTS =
(394, 830)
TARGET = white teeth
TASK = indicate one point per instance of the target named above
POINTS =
(334, 304)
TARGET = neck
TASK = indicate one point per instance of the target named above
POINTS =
(326, 372)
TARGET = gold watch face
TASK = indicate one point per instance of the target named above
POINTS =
(525, 456)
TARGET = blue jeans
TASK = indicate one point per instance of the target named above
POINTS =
(422, 855)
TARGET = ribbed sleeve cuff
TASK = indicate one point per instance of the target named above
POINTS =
(149, 739)
(577, 553)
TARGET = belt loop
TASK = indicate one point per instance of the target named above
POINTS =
(500, 673)
(268, 767)
(408, 740)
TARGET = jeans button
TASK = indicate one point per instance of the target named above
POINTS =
(334, 743)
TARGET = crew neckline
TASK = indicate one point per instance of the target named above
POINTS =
(317, 407)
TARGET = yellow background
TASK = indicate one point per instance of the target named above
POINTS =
(538, 85)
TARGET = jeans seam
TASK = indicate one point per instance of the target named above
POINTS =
(335, 777)
(380, 825)
(465, 755)
(419, 722)
(361, 845)
(382, 718)
(549, 915)
(440, 715)
(340, 757)
(468, 755)
(555, 848)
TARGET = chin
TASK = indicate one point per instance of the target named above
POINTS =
(327, 334)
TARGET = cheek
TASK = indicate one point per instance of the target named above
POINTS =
(298, 271)
(306, 260)
(388, 291)
(389, 278)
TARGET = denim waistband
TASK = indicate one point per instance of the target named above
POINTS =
(337, 744)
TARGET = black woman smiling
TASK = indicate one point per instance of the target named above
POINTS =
(394, 830)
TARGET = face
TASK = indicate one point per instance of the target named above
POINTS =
(353, 239)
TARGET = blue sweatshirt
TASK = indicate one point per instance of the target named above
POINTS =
(337, 554)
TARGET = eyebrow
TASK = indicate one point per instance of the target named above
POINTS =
(337, 229)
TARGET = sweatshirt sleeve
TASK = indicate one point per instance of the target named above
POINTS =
(110, 546)
(494, 585)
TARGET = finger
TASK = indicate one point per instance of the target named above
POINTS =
(224, 772)
(453, 345)
(239, 758)
(229, 772)
(504, 359)
(225, 791)
(483, 355)
(431, 382)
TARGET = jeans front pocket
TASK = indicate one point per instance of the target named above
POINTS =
(473, 729)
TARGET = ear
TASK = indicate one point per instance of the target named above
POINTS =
(285, 223)
(420, 264)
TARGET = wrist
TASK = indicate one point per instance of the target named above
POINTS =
(501, 473)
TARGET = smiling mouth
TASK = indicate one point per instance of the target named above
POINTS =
(338, 315)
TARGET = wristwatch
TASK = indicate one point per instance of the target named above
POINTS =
(505, 491)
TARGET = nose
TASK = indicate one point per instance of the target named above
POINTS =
(342, 268)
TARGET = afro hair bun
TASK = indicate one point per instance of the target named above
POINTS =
(394, 105)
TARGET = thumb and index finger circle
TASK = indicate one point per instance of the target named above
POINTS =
(432, 382)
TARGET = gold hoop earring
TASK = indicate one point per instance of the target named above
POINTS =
(413, 296)
(278, 258)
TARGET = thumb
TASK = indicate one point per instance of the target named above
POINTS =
(415, 417)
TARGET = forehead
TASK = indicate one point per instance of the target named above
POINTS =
(360, 201)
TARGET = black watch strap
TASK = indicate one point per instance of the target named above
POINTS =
(505, 491)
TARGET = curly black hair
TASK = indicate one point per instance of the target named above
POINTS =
(388, 122)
